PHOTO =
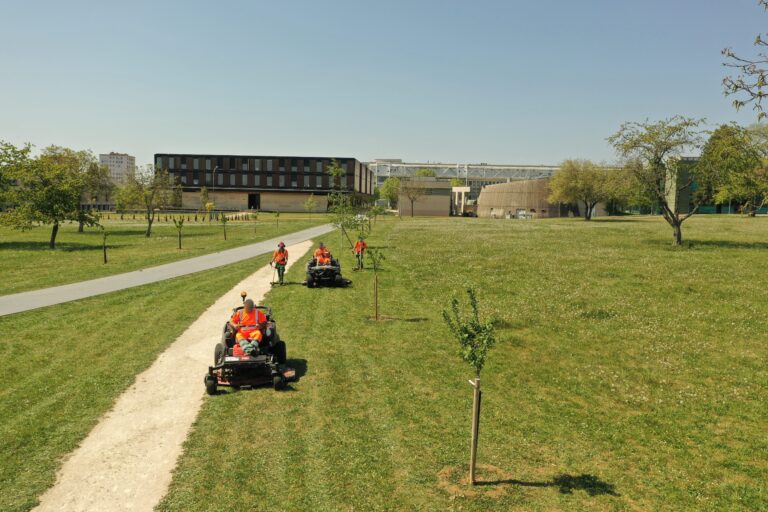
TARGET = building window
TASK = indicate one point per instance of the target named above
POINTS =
(257, 165)
(294, 169)
(245, 180)
(219, 162)
(269, 165)
(306, 181)
(245, 165)
(207, 164)
(281, 182)
(319, 182)
(195, 181)
(195, 164)
(231, 180)
(207, 179)
(281, 170)
(269, 180)
(220, 178)
(319, 167)
(294, 182)
(183, 163)
(170, 163)
(183, 180)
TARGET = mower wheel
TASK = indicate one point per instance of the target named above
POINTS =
(278, 382)
(218, 353)
(280, 351)
(310, 282)
(210, 384)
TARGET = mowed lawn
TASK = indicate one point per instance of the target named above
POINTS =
(65, 365)
(629, 375)
(27, 263)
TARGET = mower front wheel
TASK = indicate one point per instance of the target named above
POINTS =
(218, 353)
(210, 384)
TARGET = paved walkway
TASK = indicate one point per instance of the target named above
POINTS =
(25, 301)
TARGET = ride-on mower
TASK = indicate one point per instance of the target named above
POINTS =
(325, 275)
(233, 368)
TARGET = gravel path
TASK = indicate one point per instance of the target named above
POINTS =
(25, 301)
(126, 461)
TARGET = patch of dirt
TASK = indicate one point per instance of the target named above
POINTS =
(490, 481)
(126, 461)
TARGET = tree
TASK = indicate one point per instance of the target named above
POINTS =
(412, 191)
(337, 174)
(652, 152)
(343, 215)
(179, 224)
(374, 211)
(47, 190)
(425, 173)
(204, 200)
(458, 182)
(12, 159)
(579, 181)
(734, 153)
(390, 190)
(223, 219)
(476, 338)
(310, 204)
(149, 189)
(751, 78)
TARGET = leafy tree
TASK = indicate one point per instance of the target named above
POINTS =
(579, 181)
(223, 219)
(425, 173)
(412, 191)
(476, 337)
(375, 211)
(652, 153)
(150, 189)
(179, 224)
(735, 155)
(343, 215)
(390, 190)
(458, 182)
(337, 174)
(376, 257)
(46, 190)
(310, 204)
(751, 78)
(204, 199)
(97, 182)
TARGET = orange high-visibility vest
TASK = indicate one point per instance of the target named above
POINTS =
(249, 322)
(360, 246)
(281, 258)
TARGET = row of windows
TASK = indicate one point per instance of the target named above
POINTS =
(244, 164)
(244, 181)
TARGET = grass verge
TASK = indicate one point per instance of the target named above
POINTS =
(65, 366)
(26, 263)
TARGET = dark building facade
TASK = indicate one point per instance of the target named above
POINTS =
(270, 183)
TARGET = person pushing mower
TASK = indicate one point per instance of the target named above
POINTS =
(360, 248)
(280, 260)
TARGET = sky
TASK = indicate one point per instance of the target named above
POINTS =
(516, 82)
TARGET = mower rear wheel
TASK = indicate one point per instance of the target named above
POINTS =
(218, 353)
(278, 382)
(210, 384)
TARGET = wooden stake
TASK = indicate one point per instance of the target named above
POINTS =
(475, 428)
(376, 294)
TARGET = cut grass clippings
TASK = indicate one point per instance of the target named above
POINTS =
(629, 375)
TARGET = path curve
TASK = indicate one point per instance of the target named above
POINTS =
(126, 461)
(25, 301)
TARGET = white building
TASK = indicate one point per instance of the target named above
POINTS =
(119, 164)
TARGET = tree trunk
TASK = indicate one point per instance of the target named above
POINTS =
(54, 232)
(104, 247)
(150, 219)
(179, 239)
(678, 233)
(411, 208)
(225, 231)
(80, 226)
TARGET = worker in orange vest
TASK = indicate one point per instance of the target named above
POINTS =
(248, 324)
(280, 260)
(360, 247)
(322, 255)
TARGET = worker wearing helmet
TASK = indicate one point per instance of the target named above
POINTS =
(280, 260)
(322, 255)
(247, 324)
(360, 248)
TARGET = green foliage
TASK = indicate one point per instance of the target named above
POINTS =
(376, 256)
(390, 190)
(425, 173)
(458, 182)
(310, 204)
(736, 155)
(580, 180)
(475, 337)
(337, 174)
(13, 161)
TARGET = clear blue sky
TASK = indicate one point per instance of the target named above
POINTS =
(529, 82)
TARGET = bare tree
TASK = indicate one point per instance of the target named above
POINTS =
(412, 191)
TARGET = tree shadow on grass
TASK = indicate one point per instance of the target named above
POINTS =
(718, 244)
(39, 246)
(565, 484)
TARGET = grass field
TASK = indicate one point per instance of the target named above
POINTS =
(65, 366)
(27, 263)
(629, 376)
